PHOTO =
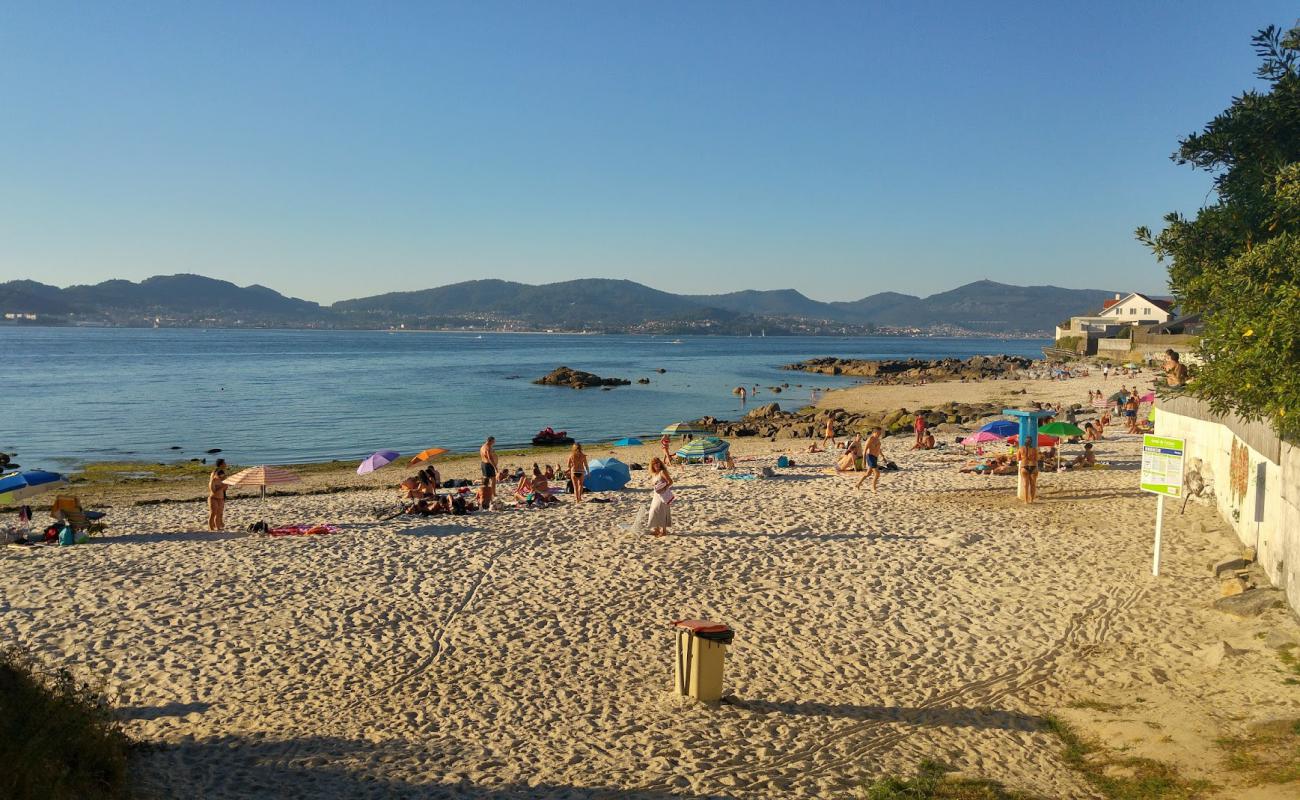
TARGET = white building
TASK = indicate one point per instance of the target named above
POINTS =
(1137, 309)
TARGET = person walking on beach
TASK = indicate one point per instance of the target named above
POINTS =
(828, 440)
(1105, 371)
(661, 498)
(664, 444)
(217, 496)
(873, 460)
(577, 470)
(488, 465)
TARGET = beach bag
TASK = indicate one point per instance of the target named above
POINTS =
(783, 462)
(67, 536)
(665, 494)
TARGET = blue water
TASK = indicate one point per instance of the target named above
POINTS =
(270, 396)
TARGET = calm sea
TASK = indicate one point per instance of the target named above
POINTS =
(269, 396)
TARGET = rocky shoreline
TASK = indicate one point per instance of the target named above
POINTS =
(913, 369)
(771, 422)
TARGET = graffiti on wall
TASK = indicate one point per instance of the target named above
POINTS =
(1239, 471)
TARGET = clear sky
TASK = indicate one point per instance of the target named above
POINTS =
(333, 150)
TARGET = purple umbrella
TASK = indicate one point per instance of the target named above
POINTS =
(377, 460)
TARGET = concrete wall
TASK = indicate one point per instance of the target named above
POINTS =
(1255, 477)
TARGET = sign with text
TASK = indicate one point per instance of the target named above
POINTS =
(1162, 465)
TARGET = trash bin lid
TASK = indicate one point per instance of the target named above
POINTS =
(713, 631)
(701, 626)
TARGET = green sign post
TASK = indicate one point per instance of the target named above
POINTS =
(1162, 475)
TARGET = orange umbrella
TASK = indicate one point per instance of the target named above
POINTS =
(432, 452)
(1044, 440)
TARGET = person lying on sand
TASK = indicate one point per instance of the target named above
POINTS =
(813, 448)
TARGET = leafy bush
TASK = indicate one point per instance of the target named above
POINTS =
(58, 736)
(1238, 261)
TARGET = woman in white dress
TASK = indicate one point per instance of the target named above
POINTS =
(661, 498)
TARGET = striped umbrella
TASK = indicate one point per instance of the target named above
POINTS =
(19, 485)
(682, 428)
(263, 477)
(703, 447)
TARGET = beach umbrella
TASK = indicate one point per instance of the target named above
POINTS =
(381, 458)
(1117, 396)
(680, 428)
(703, 447)
(1149, 397)
(982, 436)
(1060, 429)
(629, 441)
(1001, 428)
(425, 455)
(19, 485)
(1044, 440)
(263, 477)
(606, 475)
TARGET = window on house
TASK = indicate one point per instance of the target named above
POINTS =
(1146, 311)
(1132, 311)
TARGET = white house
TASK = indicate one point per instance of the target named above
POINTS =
(1137, 309)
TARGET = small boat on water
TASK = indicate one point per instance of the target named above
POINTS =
(547, 437)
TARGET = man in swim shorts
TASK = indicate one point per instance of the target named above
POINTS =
(873, 460)
(488, 464)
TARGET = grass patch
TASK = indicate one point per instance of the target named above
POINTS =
(1121, 778)
(58, 737)
(932, 782)
(1269, 754)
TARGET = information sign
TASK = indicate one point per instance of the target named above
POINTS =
(1162, 465)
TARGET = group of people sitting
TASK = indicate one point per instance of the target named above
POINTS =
(1048, 461)
(534, 490)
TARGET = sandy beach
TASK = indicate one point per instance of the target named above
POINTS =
(526, 653)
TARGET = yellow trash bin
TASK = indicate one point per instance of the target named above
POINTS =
(701, 647)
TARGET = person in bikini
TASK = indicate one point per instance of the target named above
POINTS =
(577, 470)
(1027, 459)
(217, 496)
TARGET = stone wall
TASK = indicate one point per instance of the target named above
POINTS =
(1255, 477)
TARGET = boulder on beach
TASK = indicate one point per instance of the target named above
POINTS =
(577, 379)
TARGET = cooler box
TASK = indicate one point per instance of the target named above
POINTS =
(701, 646)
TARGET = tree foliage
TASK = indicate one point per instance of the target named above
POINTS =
(1237, 262)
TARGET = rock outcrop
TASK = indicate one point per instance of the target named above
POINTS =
(913, 369)
(577, 379)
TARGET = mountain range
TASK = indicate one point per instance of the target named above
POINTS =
(589, 303)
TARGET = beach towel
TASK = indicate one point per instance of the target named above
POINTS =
(741, 476)
(302, 530)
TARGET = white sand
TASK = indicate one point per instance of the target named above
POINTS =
(527, 653)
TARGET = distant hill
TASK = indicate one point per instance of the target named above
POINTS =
(189, 295)
(592, 303)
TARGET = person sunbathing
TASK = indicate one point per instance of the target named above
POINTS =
(524, 491)
(542, 489)
(549, 473)
(927, 441)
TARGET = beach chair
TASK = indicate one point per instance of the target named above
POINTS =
(67, 508)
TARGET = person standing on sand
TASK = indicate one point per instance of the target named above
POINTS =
(1027, 461)
(918, 426)
(661, 498)
(577, 470)
(664, 444)
(830, 433)
(487, 455)
(217, 496)
(873, 460)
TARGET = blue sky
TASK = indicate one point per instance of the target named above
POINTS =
(336, 150)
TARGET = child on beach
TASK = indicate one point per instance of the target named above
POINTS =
(661, 498)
